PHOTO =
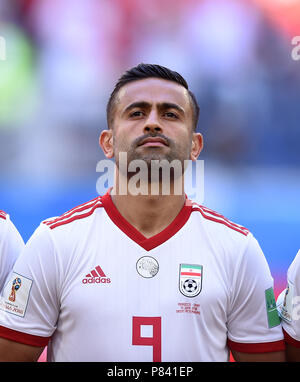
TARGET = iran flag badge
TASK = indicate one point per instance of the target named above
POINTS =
(190, 279)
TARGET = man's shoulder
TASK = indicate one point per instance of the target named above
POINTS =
(82, 211)
(3, 225)
(5, 222)
(3, 215)
(217, 221)
(294, 268)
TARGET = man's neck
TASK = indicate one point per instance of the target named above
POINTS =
(149, 214)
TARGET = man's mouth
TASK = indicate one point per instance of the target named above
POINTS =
(153, 142)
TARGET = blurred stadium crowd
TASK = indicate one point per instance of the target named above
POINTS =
(64, 56)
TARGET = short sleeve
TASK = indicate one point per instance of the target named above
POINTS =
(253, 321)
(289, 304)
(29, 299)
(11, 244)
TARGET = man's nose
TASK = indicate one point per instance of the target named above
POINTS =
(152, 124)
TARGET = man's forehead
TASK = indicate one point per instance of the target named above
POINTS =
(153, 90)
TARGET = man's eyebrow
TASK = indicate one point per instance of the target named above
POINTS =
(170, 105)
(162, 105)
(138, 104)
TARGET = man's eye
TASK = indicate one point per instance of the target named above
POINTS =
(169, 114)
(136, 114)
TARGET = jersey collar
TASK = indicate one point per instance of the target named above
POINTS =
(135, 235)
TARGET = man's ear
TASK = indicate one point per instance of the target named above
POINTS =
(106, 143)
(197, 146)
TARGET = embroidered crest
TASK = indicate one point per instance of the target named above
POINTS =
(190, 279)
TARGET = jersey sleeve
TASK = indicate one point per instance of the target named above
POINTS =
(30, 297)
(11, 244)
(253, 321)
(289, 304)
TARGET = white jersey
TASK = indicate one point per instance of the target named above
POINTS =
(94, 288)
(11, 244)
(288, 304)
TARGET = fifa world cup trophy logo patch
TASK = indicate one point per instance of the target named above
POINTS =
(16, 285)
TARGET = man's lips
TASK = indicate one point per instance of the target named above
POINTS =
(154, 142)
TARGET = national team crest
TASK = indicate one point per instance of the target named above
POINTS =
(190, 279)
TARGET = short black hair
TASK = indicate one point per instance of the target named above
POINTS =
(143, 71)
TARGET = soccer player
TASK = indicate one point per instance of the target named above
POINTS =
(288, 306)
(11, 244)
(146, 277)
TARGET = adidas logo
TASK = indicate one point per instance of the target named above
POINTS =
(96, 276)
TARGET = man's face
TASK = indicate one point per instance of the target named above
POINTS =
(153, 121)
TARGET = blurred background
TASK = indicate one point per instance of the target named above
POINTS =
(63, 58)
